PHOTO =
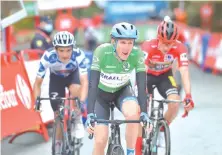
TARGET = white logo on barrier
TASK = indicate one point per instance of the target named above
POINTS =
(23, 92)
(7, 98)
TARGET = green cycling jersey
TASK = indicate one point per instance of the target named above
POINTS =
(115, 73)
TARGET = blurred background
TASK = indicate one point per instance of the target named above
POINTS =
(27, 28)
(101, 15)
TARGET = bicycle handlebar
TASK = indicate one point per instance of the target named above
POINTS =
(114, 122)
(57, 98)
(76, 99)
(167, 101)
(172, 101)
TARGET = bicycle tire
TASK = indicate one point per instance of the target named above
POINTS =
(166, 136)
(115, 150)
(73, 142)
(54, 138)
(79, 142)
(70, 137)
(145, 144)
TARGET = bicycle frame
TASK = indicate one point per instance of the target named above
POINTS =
(156, 115)
(64, 118)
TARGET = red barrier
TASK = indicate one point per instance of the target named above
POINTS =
(16, 98)
(31, 60)
(213, 53)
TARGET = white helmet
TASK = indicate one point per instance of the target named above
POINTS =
(63, 38)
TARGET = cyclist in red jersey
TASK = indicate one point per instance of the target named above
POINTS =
(160, 53)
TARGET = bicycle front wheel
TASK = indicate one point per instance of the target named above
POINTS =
(161, 146)
(115, 150)
(146, 143)
(59, 124)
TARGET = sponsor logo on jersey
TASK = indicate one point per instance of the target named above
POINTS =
(108, 52)
(141, 60)
(126, 65)
(64, 71)
(111, 77)
(168, 57)
(107, 66)
(183, 57)
(184, 63)
(156, 57)
(114, 80)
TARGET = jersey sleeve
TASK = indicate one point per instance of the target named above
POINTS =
(97, 59)
(43, 65)
(81, 60)
(182, 56)
(140, 65)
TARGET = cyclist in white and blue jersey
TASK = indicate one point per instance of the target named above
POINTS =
(67, 69)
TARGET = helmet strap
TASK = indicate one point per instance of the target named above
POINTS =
(114, 49)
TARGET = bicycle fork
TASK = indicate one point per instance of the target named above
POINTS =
(156, 115)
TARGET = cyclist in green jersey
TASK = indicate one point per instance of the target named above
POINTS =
(110, 75)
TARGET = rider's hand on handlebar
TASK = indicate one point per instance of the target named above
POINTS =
(144, 118)
(90, 123)
(189, 104)
(145, 121)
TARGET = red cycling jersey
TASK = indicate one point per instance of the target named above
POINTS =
(157, 62)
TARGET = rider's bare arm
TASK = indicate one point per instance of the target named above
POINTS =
(184, 68)
(84, 87)
(37, 87)
(185, 75)
(43, 65)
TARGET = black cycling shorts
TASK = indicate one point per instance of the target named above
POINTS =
(102, 105)
(57, 85)
(165, 84)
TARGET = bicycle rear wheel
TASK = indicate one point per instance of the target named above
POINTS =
(166, 131)
(58, 123)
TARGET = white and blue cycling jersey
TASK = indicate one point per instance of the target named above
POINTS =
(50, 60)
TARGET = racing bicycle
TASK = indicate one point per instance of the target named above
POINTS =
(114, 144)
(150, 144)
(66, 120)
